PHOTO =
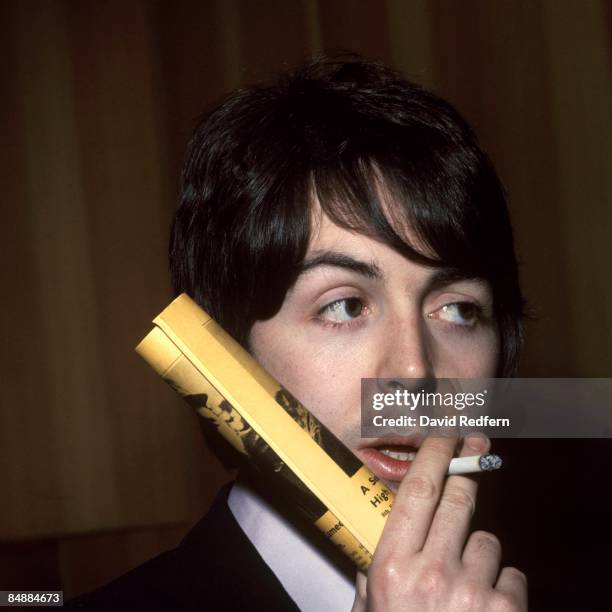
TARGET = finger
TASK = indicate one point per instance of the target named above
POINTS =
(481, 557)
(513, 584)
(418, 496)
(359, 605)
(451, 522)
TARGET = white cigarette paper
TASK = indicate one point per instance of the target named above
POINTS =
(476, 463)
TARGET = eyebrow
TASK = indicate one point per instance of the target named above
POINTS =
(447, 276)
(346, 262)
(442, 277)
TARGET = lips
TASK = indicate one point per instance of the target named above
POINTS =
(389, 458)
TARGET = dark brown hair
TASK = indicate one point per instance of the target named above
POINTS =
(337, 127)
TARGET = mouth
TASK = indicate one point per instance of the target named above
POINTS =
(389, 458)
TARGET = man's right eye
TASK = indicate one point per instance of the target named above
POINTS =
(342, 311)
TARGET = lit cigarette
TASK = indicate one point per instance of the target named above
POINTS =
(476, 463)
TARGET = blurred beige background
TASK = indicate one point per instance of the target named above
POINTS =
(99, 462)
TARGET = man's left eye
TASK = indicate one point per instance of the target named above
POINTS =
(343, 310)
(460, 313)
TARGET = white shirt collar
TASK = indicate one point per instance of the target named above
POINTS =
(310, 579)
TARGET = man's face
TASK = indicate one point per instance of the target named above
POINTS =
(361, 310)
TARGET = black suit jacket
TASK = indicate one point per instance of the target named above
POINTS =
(215, 567)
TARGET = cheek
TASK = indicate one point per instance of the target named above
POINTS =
(469, 356)
(320, 380)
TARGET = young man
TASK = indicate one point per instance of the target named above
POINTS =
(341, 224)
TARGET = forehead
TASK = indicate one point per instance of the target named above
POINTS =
(350, 251)
(332, 247)
(326, 234)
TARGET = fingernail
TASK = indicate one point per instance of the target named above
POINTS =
(477, 442)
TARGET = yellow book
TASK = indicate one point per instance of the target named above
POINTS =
(263, 421)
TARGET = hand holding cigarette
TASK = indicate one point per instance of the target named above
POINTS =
(425, 559)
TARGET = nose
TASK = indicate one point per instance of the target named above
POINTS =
(406, 359)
